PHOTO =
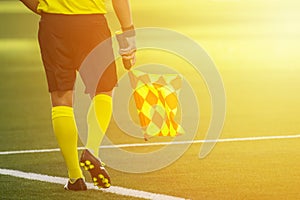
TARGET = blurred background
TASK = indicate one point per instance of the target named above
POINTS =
(253, 43)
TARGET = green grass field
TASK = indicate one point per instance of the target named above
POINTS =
(255, 47)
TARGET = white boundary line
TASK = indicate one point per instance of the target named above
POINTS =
(113, 189)
(161, 144)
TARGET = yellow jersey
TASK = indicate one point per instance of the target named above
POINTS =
(71, 7)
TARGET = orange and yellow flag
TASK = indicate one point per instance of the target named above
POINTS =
(156, 100)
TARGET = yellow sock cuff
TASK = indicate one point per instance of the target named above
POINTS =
(62, 111)
(102, 97)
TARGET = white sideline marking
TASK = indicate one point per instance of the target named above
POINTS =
(113, 189)
(161, 144)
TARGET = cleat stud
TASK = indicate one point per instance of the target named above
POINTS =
(105, 180)
(96, 183)
(87, 162)
(101, 176)
(92, 166)
(107, 185)
(82, 164)
(95, 179)
(86, 168)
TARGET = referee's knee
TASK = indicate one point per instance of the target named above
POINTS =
(62, 98)
(108, 93)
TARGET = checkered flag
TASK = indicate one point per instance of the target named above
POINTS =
(156, 100)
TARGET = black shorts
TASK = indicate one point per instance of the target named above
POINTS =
(71, 43)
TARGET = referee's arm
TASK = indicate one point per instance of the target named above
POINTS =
(123, 12)
(31, 4)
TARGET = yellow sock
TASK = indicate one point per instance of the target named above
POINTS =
(99, 116)
(65, 130)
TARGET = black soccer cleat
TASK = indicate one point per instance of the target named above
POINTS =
(96, 168)
(78, 185)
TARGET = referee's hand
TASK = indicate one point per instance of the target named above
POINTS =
(127, 45)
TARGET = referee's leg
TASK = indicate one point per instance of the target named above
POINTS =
(65, 130)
